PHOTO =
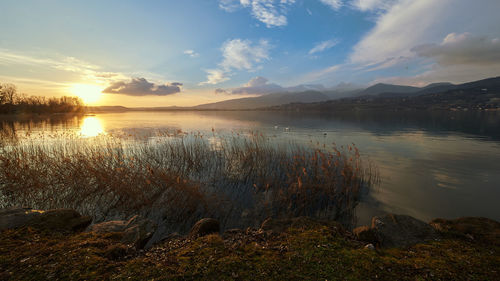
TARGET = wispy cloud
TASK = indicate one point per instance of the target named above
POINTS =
(373, 5)
(83, 69)
(334, 4)
(323, 46)
(62, 71)
(390, 38)
(191, 53)
(270, 12)
(238, 54)
(215, 76)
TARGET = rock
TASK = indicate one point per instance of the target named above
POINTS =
(472, 228)
(204, 227)
(136, 231)
(365, 233)
(62, 219)
(58, 219)
(108, 227)
(17, 217)
(370, 247)
(401, 231)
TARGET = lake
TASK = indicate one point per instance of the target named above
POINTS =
(431, 164)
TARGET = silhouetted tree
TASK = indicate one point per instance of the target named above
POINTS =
(8, 93)
(13, 102)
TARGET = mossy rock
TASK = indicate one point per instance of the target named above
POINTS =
(53, 220)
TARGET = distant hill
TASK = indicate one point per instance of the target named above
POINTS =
(386, 89)
(266, 100)
(99, 109)
(478, 95)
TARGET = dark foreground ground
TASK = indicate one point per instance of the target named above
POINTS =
(304, 251)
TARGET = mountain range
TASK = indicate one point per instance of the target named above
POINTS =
(342, 92)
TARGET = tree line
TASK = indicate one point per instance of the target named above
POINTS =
(11, 101)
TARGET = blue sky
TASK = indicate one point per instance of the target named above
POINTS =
(161, 53)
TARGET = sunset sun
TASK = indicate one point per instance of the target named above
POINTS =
(88, 93)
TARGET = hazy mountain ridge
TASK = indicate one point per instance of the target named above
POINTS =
(478, 95)
(343, 93)
(266, 100)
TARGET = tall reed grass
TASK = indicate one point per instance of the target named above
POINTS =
(175, 179)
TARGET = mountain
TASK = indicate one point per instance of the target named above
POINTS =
(100, 109)
(478, 95)
(387, 89)
(266, 100)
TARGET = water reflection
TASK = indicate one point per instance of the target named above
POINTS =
(91, 127)
(432, 164)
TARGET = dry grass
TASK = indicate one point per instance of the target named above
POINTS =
(175, 179)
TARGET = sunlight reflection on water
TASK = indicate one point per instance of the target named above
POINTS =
(91, 127)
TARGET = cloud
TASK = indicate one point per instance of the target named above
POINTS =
(372, 5)
(462, 48)
(270, 12)
(56, 67)
(334, 4)
(256, 86)
(238, 54)
(406, 23)
(458, 58)
(141, 87)
(322, 46)
(229, 5)
(242, 54)
(191, 53)
(260, 86)
(215, 76)
(319, 74)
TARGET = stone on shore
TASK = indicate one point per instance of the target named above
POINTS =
(136, 231)
(204, 227)
(57, 219)
(401, 231)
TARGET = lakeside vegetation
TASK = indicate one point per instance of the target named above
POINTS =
(12, 102)
(176, 179)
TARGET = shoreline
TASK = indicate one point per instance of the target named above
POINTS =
(299, 248)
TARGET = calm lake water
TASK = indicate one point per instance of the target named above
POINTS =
(430, 164)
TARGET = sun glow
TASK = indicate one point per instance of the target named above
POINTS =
(88, 93)
(91, 127)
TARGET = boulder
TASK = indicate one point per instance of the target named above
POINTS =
(58, 219)
(401, 231)
(473, 228)
(17, 217)
(204, 227)
(136, 231)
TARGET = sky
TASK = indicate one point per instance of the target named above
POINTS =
(190, 52)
